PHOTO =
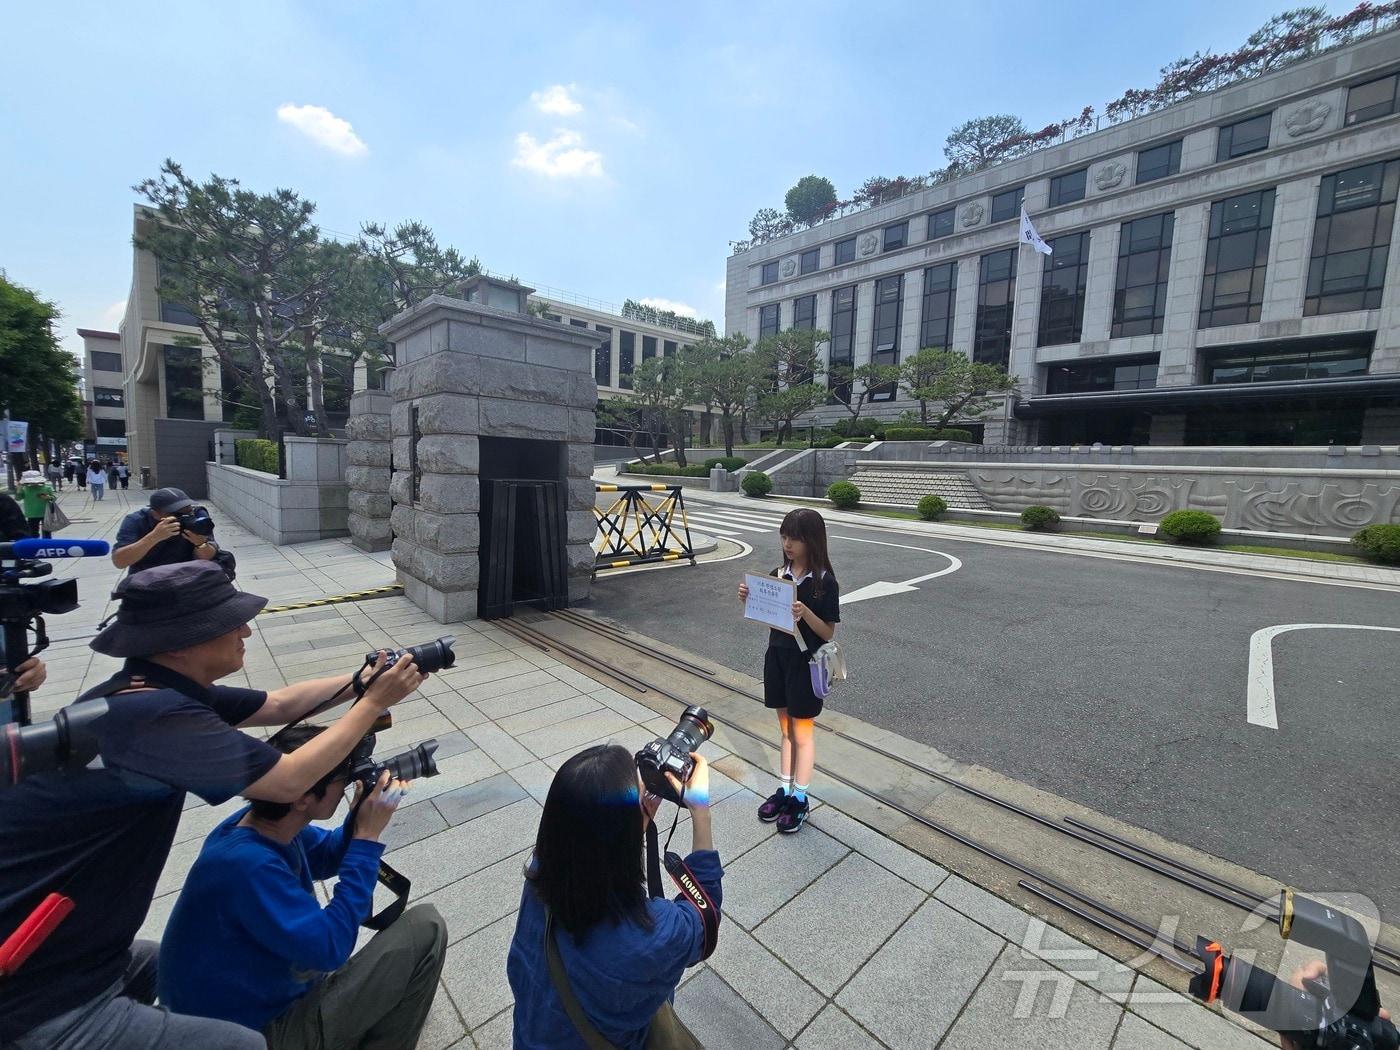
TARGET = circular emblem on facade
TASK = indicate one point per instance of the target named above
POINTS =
(1306, 118)
(868, 243)
(1110, 175)
(789, 267)
(972, 214)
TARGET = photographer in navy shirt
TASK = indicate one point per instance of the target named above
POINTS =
(101, 836)
(152, 535)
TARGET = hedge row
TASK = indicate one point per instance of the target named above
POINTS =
(730, 463)
(927, 434)
(668, 470)
(256, 454)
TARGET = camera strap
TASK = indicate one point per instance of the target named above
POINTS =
(691, 889)
(399, 884)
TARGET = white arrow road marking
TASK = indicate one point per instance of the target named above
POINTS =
(1260, 697)
(885, 588)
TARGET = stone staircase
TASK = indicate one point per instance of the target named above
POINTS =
(907, 487)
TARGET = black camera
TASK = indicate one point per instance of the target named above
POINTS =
(429, 657)
(406, 765)
(25, 599)
(196, 520)
(672, 755)
(1341, 1011)
(68, 742)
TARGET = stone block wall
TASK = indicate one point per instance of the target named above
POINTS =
(369, 457)
(280, 511)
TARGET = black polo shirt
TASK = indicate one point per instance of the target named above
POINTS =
(167, 552)
(101, 835)
(827, 607)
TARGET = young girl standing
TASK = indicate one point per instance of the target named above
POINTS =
(787, 680)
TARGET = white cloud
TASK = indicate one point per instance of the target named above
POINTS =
(670, 304)
(324, 128)
(557, 100)
(112, 316)
(562, 157)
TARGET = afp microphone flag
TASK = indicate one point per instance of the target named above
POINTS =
(1029, 235)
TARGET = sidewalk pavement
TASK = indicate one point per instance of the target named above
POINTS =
(838, 937)
(1308, 569)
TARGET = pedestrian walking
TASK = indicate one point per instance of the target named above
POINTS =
(787, 678)
(80, 472)
(68, 470)
(97, 478)
(55, 473)
(124, 474)
(35, 495)
(112, 477)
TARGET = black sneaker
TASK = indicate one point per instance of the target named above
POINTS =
(793, 816)
(772, 806)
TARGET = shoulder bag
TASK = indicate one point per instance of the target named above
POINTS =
(667, 1031)
(55, 519)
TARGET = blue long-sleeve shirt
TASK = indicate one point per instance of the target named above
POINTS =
(620, 974)
(248, 937)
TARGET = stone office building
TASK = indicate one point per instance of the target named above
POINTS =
(1226, 271)
(104, 372)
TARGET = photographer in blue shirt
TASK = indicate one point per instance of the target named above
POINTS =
(249, 942)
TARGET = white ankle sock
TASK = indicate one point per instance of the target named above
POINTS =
(786, 784)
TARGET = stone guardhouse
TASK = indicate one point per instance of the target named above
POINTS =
(481, 393)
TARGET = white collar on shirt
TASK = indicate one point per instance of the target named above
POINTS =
(786, 574)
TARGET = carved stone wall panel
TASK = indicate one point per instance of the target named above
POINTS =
(868, 243)
(971, 215)
(1110, 175)
(1306, 118)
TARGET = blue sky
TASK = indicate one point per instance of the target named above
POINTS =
(611, 149)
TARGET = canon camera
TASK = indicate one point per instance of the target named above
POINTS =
(672, 755)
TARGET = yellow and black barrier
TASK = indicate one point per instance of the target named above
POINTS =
(637, 528)
(338, 599)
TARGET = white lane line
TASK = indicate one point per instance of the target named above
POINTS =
(883, 588)
(1260, 698)
(704, 519)
(748, 519)
(716, 529)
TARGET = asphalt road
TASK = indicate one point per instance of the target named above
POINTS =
(1120, 685)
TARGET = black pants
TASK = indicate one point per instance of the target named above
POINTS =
(126, 481)
(36, 529)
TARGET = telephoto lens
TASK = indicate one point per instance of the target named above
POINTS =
(429, 657)
(406, 765)
(672, 755)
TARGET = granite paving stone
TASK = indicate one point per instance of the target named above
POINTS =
(469, 847)
(1136, 1034)
(476, 901)
(574, 731)
(829, 930)
(467, 803)
(524, 701)
(549, 714)
(457, 771)
(1027, 1002)
(765, 878)
(476, 692)
(474, 973)
(412, 823)
(498, 1033)
(911, 991)
(889, 854)
(718, 1017)
(1201, 1028)
(833, 1030)
(784, 999)
(443, 1027)
(499, 744)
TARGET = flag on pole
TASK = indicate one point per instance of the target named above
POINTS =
(1031, 237)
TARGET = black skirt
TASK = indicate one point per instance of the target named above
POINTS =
(787, 683)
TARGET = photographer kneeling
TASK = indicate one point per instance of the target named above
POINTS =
(159, 534)
(249, 942)
(621, 954)
(100, 836)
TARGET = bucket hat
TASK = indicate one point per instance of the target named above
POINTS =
(31, 477)
(173, 606)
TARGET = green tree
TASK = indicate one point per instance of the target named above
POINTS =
(859, 383)
(724, 380)
(963, 388)
(979, 143)
(411, 265)
(40, 379)
(767, 223)
(663, 388)
(811, 199)
(623, 416)
(788, 365)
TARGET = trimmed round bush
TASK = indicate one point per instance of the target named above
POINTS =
(931, 508)
(756, 483)
(730, 463)
(1189, 526)
(843, 494)
(1040, 519)
(859, 428)
(1381, 542)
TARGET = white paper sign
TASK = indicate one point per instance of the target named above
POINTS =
(770, 601)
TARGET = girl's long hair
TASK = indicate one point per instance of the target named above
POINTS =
(588, 852)
(809, 527)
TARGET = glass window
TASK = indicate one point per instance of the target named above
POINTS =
(648, 347)
(184, 383)
(668, 347)
(940, 290)
(1159, 161)
(626, 354)
(602, 357)
(769, 274)
(107, 397)
(1262, 366)
(996, 291)
(1376, 98)
(884, 344)
(804, 312)
(843, 338)
(769, 320)
(110, 428)
(577, 323)
(1237, 256)
(1140, 292)
(1062, 287)
(1351, 239)
(940, 223)
(1247, 136)
(1093, 376)
(811, 260)
(1066, 189)
(846, 251)
(106, 361)
(1007, 204)
(556, 318)
(896, 235)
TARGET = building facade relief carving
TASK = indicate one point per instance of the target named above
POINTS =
(1306, 118)
(1110, 175)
